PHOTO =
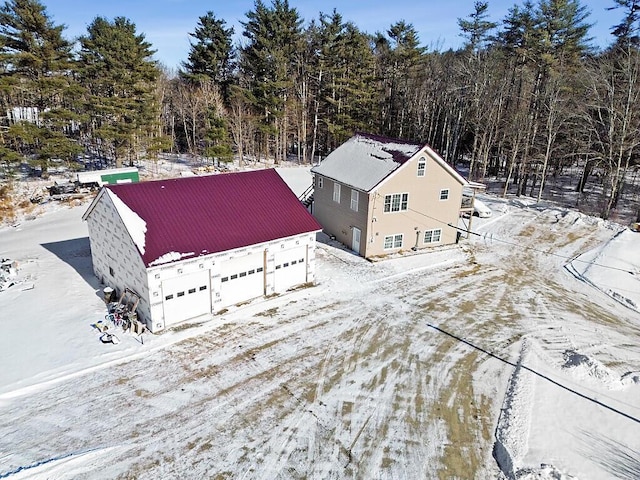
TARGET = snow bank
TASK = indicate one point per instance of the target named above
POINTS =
(613, 268)
(512, 431)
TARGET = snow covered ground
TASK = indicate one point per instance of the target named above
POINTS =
(514, 354)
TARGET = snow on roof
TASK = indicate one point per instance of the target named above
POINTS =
(187, 217)
(135, 225)
(365, 160)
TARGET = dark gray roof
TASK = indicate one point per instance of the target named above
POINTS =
(364, 160)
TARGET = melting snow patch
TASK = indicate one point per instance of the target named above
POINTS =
(170, 257)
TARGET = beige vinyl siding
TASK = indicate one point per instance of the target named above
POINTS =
(425, 210)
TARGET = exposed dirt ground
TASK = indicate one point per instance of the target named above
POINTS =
(394, 369)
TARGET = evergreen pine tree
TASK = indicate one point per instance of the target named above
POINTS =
(119, 74)
(212, 54)
(36, 80)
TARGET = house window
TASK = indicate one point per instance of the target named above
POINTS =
(203, 287)
(168, 297)
(444, 194)
(355, 197)
(320, 181)
(259, 269)
(393, 241)
(180, 294)
(422, 164)
(432, 236)
(224, 279)
(192, 290)
(111, 272)
(234, 276)
(336, 192)
(396, 202)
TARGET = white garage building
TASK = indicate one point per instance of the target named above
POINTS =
(190, 247)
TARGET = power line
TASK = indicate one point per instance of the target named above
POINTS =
(524, 247)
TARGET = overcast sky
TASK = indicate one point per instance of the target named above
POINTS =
(166, 23)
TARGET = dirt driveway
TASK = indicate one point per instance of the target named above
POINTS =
(394, 369)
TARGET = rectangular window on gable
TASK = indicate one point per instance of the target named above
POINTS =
(422, 164)
(396, 202)
(319, 181)
(444, 194)
(336, 192)
(355, 199)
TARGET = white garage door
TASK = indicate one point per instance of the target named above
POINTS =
(186, 296)
(290, 268)
(242, 279)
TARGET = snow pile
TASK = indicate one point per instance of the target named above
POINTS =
(630, 378)
(545, 472)
(512, 430)
(585, 368)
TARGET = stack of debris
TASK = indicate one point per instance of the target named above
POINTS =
(8, 274)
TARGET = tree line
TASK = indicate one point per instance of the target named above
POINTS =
(522, 99)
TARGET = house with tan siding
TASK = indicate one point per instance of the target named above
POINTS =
(380, 195)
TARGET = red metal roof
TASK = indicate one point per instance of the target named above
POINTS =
(196, 216)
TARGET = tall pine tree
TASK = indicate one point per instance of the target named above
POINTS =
(119, 74)
(36, 82)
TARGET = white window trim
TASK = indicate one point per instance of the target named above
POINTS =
(336, 192)
(422, 162)
(444, 192)
(355, 199)
(393, 238)
(391, 199)
(432, 232)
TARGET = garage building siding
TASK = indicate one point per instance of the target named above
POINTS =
(218, 266)
(192, 247)
(116, 261)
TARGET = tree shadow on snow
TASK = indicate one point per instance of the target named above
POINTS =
(616, 458)
(77, 254)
